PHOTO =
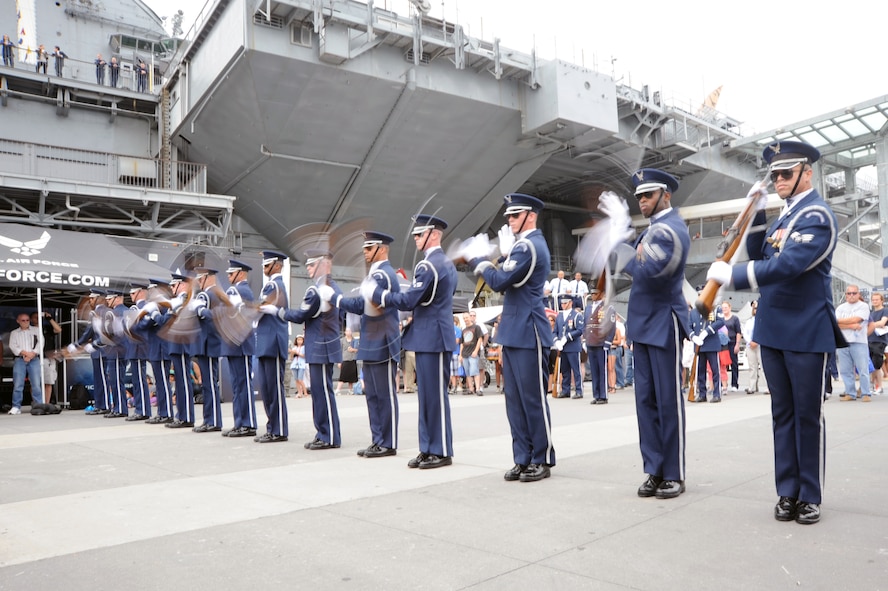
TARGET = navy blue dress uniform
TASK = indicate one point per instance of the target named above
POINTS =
(240, 357)
(179, 352)
(599, 328)
(379, 348)
(706, 329)
(790, 265)
(90, 341)
(157, 351)
(322, 348)
(115, 354)
(657, 321)
(569, 331)
(137, 356)
(526, 338)
(208, 349)
(271, 351)
(430, 336)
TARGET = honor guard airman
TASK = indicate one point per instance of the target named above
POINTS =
(569, 341)
(658, 316)
(271, 350)
(704, 333)
(90, 342)
(524, 333)
(158, 350)
(430, 335)
(791, 257)
(380, 346)
(208, 349)
(116, 353)
(240, 357)
(600, 326)
(322, 345)
(137, 355)
(179, 350)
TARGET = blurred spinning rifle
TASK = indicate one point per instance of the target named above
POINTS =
(692, 376)
(727, 248)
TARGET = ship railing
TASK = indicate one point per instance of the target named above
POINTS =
(71, 164)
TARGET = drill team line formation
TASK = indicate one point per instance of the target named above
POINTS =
(190, 318)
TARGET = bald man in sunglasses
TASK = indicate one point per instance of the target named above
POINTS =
(792, 256)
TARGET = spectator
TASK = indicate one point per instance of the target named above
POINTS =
(578, 287)
(100, 70)
(455, 365)
(470, 344)
(732, 324)
(297, 366)
(752, 354)
(25, 343)
(615, 351)
(853, 318)
(114, 68)
(59, 56)
(348, 370)
(142, 75)
(878, 338)
(555, 288)
(8, 56)
(42, 59)
(494, 354)
(50, 365)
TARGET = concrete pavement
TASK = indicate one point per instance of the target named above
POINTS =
(93, 503)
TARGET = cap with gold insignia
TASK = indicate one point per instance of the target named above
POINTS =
(157, 282)
(204, 271)
(134, 287)
(646, 180)
(423, 222)
(518, 202)
(96, 293)
(785, 155)
(376, 239)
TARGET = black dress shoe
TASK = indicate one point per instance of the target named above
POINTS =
(699, 399)
(137, 418)
(807, 513)
(515, 472)
(361, 452)
(433, 461)
(319, 444)
(599, 401)
(575, 396)
(786, 509)
(206, 428)
(98, 411)
(380, 452)
(269, 438)
(563, 396)
(241, 432)
(414, 462)
(115, 415)
(715, 400)
(649, 487)
(177, 424)
(159, 420)
(534, 472)
(669, 489)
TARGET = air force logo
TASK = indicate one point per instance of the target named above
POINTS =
(29, 248)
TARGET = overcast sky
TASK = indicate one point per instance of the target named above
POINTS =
(778, 62)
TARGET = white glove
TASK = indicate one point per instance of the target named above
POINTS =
(615, 208)
(177, 302)
(235, 300)
(72, 348)
(758, 191)
(270, 309)
(720, 272)
(326, 292)
(89, 348)
(698, 339)
(506, 239)
(477, 247)
(367, 289)
(151, 309)
(559, 344)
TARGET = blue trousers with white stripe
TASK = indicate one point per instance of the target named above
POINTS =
(660, 409)
(526, 378)
(161, 370)
(323, 403)
(242, 406)
(270, 373)
(184, 394)
(209, 375)
(432, 380)
(798, 383)
(381, 392)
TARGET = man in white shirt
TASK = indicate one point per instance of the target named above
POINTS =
(25, 343)
(555, 288)
(578, 287)
(752, 354)
(853, 317)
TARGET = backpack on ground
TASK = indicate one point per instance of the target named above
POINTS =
(78, 397)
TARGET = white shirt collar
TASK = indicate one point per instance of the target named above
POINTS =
(657, 216)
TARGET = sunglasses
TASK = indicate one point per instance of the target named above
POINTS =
(514, 215)
(648, 195)
(851, 293)
(782, 174)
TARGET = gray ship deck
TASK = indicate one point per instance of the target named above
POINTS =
(98, 504)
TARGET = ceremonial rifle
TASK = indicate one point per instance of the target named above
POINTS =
(727, 248)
